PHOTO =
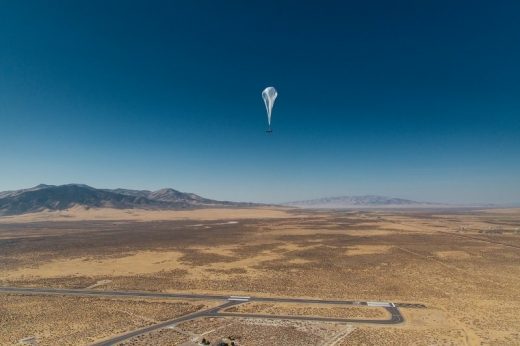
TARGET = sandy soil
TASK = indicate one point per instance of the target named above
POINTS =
(367, 250)
(143, 262)
(453, 254)
(82, 214)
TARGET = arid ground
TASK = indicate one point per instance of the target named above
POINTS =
(463, 265)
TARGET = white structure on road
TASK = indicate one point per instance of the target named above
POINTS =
(381, 304)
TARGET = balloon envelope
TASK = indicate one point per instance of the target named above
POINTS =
(269, 95)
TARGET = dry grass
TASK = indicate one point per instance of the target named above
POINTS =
(159, 337)
(402, 336)
(311, 310)
(368, 250)
(56, 320)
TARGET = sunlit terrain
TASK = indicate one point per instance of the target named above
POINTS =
(452, 274)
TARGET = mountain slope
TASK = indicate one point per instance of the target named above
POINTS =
(52, 197)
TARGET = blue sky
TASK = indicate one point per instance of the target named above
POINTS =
(414, 99)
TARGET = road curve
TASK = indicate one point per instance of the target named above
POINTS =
(396, 317)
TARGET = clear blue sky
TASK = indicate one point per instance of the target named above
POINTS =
(414, 99)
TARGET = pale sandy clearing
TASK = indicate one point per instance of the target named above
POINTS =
(82, 214)
(452, 254)
(367, 250)
(144, 262)
(298, 261)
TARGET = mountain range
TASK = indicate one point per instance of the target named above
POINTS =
(366, 201)
(59, 197)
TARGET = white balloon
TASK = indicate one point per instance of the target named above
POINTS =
(269, 95)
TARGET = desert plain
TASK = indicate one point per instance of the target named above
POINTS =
(453, 274)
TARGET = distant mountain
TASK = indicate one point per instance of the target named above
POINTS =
(368, 201)
(60, 197)
(171, 195)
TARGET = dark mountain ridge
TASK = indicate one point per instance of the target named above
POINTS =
(60, 197)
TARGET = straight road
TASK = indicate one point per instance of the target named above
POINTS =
(92, 292)
(143, 294)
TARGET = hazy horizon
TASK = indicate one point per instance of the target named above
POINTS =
(406, 100)
(454, 203)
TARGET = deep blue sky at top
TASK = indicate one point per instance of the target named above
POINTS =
(416, 99)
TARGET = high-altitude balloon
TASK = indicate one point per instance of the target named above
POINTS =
(269, 95)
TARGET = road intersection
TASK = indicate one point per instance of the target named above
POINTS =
(218, 311)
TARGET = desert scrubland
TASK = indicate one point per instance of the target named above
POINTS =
(463, 265)
(57, 320)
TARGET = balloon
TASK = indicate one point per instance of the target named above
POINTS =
(269, 95)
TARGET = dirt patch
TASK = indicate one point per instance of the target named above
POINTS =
(453, 255)
(367, 250)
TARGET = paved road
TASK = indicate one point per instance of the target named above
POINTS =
(125, 336)
(92, 292)
(396, 316)
(143, 294)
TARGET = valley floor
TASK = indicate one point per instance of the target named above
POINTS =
(464, 266)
